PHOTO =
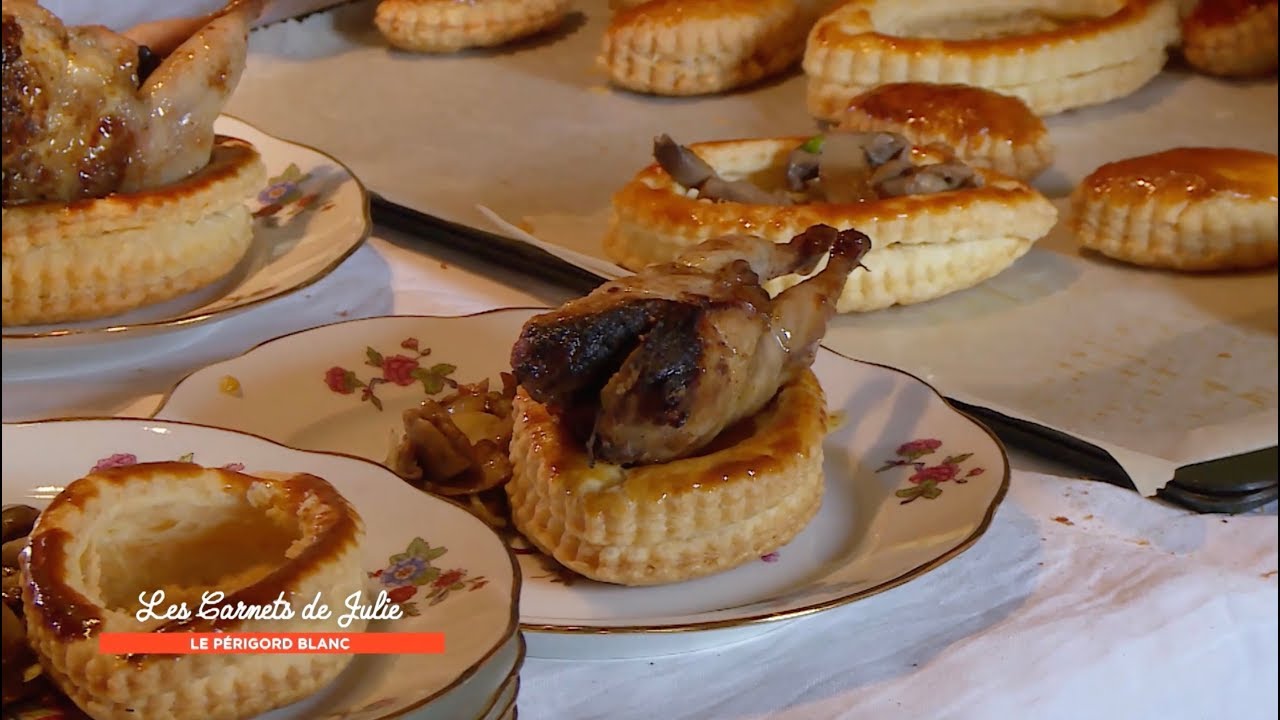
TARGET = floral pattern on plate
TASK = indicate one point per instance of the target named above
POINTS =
(288, 195)
(926, 479)
(400, 368)
(126, 459)
(414, 571)
(830, 562)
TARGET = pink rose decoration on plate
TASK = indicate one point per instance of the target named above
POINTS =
(926, 479)
(399, 369)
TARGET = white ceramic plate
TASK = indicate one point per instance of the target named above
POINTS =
(312, 214)
(470, 595)
(910, 481)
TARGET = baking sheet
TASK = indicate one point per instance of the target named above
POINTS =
(1160, 370)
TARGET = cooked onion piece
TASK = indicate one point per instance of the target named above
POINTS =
(457, 447)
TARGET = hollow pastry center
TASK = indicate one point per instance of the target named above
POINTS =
(992, 21)
(223, 544)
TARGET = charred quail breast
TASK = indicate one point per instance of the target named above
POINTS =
(668, 425)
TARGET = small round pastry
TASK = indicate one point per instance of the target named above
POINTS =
(100, 257)
(1194, 209)
(983, 128)
(747, 494)
(699, 47)
(445, 26)
(924, 245)
(1232, 38)
(1053, 54)
(118, 533)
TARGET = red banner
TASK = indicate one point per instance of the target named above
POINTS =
(217, 643)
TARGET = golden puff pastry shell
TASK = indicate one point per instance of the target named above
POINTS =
(975, 233)
(120, 532)
(445, 26)
(102, 257)
(1232, 38)
(1193, 209)
(698, 47)
(748, 494)
(1107, 49)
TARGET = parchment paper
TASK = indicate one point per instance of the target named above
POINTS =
(1160, 370)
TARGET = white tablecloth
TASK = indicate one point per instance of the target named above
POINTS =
(1082, 600)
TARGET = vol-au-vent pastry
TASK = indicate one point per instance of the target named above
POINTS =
(983, 128)
(938, 225)
(668, 425)
(1231, 38)
(1052, 54)
(180, 528)
(444, 26)
(97, 258)
(1184, 209)
(699, 47)
(117, 193)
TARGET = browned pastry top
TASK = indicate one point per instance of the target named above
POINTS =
(1195, 172)
(953, 110)
(669, 13)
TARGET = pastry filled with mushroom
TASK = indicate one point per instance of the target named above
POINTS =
(668, 425)
(939, 224)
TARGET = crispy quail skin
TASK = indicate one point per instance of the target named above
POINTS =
(652, 367)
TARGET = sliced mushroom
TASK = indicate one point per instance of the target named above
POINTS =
(890, 170)
(17, 521)
(682, 164)
(884, 146)
(929, 179)
(741, 191)
(685, 167)
(802, 165)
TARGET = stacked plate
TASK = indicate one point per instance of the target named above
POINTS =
(471, 596)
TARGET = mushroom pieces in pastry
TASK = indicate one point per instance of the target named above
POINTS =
(1052, 54)
(937, 225)
(1184, 209)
